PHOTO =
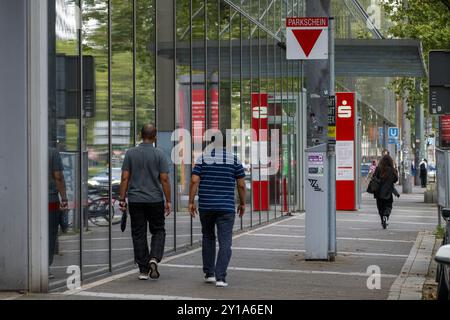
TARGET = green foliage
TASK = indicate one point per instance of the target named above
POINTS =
(426, 20)
(406, 88)
(439, 232)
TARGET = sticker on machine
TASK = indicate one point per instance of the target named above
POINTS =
(316, 164)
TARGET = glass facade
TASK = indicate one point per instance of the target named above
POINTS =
(192, 65)
(376, 103)
(110, 63)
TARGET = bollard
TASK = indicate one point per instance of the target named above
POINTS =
(430, 194)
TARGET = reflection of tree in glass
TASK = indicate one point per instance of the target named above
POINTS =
(95, 37)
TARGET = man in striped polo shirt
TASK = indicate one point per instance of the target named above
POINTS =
(215, 176)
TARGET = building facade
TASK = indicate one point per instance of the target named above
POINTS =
(96, 71)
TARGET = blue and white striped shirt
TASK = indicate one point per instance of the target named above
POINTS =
(218, 175)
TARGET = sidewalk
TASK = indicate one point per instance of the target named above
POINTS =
(268, 262)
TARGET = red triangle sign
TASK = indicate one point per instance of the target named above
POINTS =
(307, 38)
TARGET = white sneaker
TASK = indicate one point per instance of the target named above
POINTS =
(221, 284)
(143, 276)
(210, 279)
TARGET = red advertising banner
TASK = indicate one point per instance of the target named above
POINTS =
(345, 150)
(198, 115)
(444, 124)
(214, 102)
(260, 177)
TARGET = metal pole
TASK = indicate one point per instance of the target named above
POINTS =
(134, 75)
(81, 137)
(358, 161)
(191, 62)
(419, 133)
(332, 155)
(300, 146)
(406, 156)
(241, 98)
(110, 151)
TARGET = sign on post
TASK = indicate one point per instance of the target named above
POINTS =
(439, 82)
(381, 135)
(345, 151)
(332, 118)
(393, 134)
(306, 38)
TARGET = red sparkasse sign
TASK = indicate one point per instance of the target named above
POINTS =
(306, 38)
(345, 150)
(260, 123)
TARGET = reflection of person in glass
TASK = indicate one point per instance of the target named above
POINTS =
(57, 200)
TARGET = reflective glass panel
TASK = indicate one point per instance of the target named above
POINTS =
(64, 143)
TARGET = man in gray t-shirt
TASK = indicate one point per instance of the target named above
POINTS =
(145, 178)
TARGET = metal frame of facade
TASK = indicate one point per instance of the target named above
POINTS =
(263, 32)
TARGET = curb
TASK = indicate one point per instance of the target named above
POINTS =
(10, 295)
(409, 284)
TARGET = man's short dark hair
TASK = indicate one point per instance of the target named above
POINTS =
(148, 132)
(223, 132)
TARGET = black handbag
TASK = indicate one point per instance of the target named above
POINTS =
(123, 221)
(374, 185)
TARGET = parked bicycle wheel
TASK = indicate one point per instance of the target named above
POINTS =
(98, 213)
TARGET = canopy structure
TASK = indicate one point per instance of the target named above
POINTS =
(380, 58)
(354, 57)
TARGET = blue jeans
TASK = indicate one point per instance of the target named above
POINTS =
(225, 223)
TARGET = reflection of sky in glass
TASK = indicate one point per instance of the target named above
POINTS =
(90, 25)
(66, 20)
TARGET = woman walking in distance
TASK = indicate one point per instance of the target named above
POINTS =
(388, 176)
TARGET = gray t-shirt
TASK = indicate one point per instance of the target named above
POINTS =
(145, 163)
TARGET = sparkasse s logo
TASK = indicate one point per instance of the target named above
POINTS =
(344, 111)
(260, 112)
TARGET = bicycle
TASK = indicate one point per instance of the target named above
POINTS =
(98, 211)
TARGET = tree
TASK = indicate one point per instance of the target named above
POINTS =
(428, 21)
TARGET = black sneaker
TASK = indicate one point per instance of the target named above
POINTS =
(383, 222)
(154, 274)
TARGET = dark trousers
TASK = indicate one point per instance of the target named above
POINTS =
(224, 223)
(152, 214)
(384, 207)
(54, 219)
(423, 179)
